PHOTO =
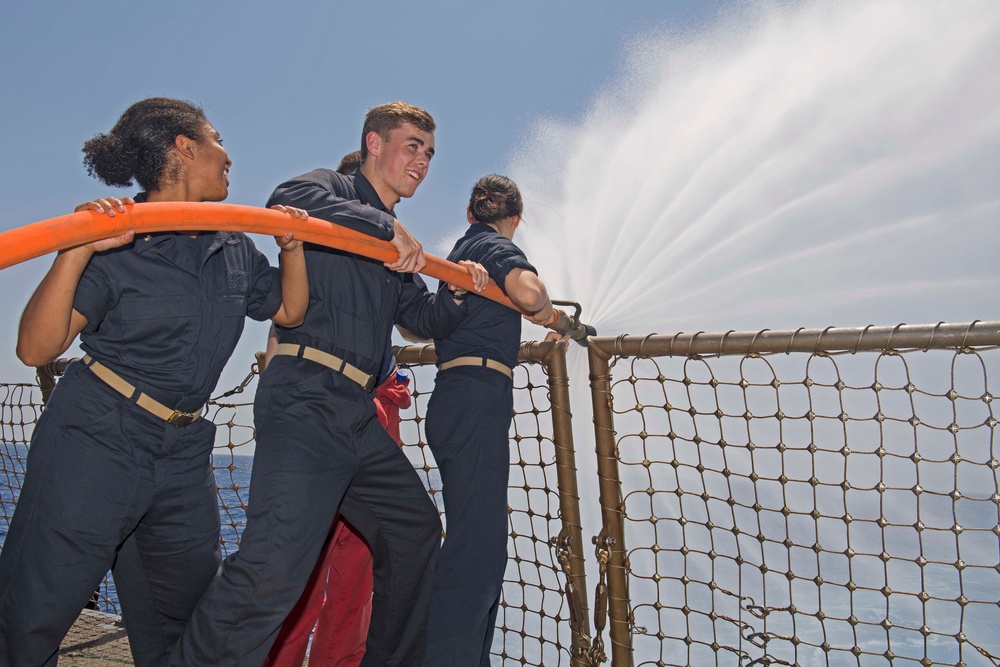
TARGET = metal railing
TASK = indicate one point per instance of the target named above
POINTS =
(808, 497)
(800, 497)
(544, 609)
(543, 616)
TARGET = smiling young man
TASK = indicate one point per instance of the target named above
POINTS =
(319, 447)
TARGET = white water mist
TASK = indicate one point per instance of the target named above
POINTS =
(792, 165)
(824, 164)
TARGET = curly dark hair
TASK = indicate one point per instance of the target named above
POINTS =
(495, 198)
(139, 144)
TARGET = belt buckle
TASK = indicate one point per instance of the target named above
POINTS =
(371, 383)
(179, 418)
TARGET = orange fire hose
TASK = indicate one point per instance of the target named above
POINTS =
(67, 231)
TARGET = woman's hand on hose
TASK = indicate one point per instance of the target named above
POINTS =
(110, 206)
(288, 242)
(544, 317)
(480, 279)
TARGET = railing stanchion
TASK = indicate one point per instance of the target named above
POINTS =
(612, 510)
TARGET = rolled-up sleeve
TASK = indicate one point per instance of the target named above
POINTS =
(95, 295)
(265, 292)
(504, 259)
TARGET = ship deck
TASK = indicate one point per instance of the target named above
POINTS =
(97, 639)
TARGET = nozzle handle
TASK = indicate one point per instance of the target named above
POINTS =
(563, 324)
(571, 326)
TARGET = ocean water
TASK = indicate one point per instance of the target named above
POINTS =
(232, 476)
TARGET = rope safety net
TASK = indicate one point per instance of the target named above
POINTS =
(811, 509)
(533, 619)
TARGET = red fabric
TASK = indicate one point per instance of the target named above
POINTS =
(343, 622)
(392, 395)
(337, 599)
(339, 596)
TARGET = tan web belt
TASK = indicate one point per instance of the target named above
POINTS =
(477, 361)
(144, 401)
(328, 360)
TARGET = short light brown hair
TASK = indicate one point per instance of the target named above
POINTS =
(385, 118)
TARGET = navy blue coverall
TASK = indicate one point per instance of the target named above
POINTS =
(320, 448)
(468, 419)
(108, 483)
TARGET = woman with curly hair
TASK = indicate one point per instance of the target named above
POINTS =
(119, 469)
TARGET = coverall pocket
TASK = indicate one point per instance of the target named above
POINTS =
(163, 328)
(195, 483)
(496, 449)
(283, 387)
(89, 479)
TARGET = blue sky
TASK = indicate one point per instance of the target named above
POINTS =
(686, 165)
(288, 88)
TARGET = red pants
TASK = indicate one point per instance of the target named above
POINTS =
(337, 599)
(339, 595)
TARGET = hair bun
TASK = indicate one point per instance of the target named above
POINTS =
(109, 158)
(140, 144)
(494, 198)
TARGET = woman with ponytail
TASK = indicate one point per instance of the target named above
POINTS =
(119, 469)
(468, 419)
